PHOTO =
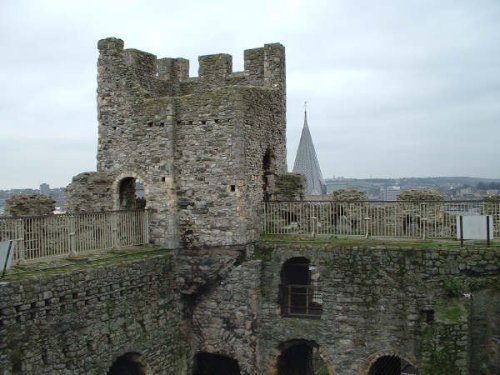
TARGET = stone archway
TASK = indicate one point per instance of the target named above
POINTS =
(300, 357)
(388, 363)
(130, 363)
(129, 192)
(268, 174)
(215, 364)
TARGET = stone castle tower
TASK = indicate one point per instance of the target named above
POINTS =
(204, 149)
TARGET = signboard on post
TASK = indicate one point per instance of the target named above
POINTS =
(475, 227)
(6, 255)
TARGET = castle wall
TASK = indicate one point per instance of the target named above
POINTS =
(81, 321)
(376, 301)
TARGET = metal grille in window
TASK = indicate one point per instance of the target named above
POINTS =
(302, 300)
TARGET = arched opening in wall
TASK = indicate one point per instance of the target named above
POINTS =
(301, 357)
(131, 193)
(129, 364)
(392, 365)
(215, 364)
(268, 174)
(300, 289)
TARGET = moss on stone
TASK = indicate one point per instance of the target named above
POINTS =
(451, 310)
(66, 265)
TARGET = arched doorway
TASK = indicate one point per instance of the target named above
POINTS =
(130, 363)
(301, 357)
(391, 365)
(215, 364)
(268, 174)
(131, 194)
(300, 291)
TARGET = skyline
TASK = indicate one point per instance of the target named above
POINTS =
(393, 90)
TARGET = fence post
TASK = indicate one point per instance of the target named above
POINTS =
(146, 226)
(423, 220)
(114, 230)
(72, 236)
(367, 223)
(19, 236)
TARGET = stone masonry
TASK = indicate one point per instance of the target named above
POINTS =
(204, 148)
(167, 308)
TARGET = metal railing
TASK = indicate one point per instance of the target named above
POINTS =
(73, 234)
(301, 300)
(379, 219)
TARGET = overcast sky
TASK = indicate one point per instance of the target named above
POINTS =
(395, 88)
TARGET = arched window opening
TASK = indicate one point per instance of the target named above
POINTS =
(214, 364)
(300, 291)
(132, 194)
(301, 358)
(268, 174)
(129, 364)
(392, 365)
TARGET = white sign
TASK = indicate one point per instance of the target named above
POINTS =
(474, 227)
(6, 254)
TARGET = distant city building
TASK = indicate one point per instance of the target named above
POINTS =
(391, 193)
(306, 163)
(45, 189)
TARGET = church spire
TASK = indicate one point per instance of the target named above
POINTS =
(306, 161)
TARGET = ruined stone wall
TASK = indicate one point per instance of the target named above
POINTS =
(79, 322)
(376, 301)
(196, 144)
(437, 309)
(29, 205)
(89, 192)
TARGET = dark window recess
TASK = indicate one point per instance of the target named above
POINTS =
(114, 127)
(392, 365)
(300, 290)
(203, 122)
(179, 122)
(150, 123)
(162, 124)
(216, 120)
(131, 193)
(232, 188)
(301, 357)
(214, 364)
(428, 315)
(128, 364)
(296, 360)
(163, 179)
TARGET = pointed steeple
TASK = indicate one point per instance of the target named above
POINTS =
(306, 162)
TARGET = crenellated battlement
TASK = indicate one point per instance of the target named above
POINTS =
(264, 66)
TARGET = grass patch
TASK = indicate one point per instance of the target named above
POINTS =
(81, 262)
(360, 241)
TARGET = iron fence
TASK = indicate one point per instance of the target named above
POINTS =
(378, 219)
(57, 235)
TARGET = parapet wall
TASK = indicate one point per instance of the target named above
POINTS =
(170, 76)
